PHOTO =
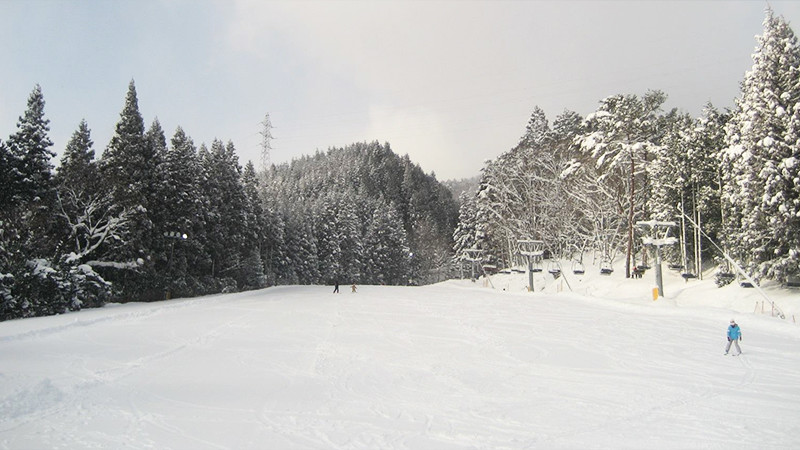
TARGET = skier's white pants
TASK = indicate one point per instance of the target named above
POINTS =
(736, 343)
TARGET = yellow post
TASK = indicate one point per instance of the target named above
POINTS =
(655, 293)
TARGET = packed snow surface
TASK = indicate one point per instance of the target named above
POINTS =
(451, 366)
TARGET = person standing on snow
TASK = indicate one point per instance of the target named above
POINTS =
(734, 336)
(336, 287)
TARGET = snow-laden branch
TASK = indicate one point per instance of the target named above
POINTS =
(92, 222)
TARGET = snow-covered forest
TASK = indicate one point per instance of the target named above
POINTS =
(152, 218)
(580, 185)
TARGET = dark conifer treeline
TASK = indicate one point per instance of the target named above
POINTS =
(152, 219)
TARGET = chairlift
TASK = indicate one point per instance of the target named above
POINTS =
(726, 276)
(537, 265)
(745, 283)
(606, 269)
(688, 276)
(578, 268)
(554, 269)
(675, 266)
(793, 281)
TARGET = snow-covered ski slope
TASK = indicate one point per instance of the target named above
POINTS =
(450, 366)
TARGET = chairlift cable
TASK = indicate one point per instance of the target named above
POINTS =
(739, 269)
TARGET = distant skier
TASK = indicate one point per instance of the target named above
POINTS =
(734, 336)
(336, 287)
(353, 287)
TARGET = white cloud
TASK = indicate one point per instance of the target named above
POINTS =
(453, 83)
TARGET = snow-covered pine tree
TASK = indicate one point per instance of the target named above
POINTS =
(465, 234)
(25, 213)
(78, 168)
(386, 247)
(128, 169)
(127, 163)
(30, 153)
(537, 131)
(253, 274)
(294, 253)
(155, 245)
(225, 205)
(8, 176)
(329, 239)
(179, 212)
(761, 191)
(34, 191)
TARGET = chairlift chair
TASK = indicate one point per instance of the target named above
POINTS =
(745, 283)
(553, 269)
(688, 276)
(675, 266)
(537, 265)
(606, 269)
(793, 281)
(578, 268)
(724, 277)
(727, 276)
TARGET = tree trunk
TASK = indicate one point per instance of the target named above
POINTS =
(630, 220)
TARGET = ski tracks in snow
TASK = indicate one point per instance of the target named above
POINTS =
(74, 395)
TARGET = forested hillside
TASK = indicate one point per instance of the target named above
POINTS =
(358, 214)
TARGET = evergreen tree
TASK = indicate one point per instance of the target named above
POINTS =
(387, 247)
(29, 284)
(761, 192)
(9, 176)
(128, 170)
(253, 275)
(465, 234)
(30, 154)
(180, 216)
(225, 213)
(537, 131)
(127, 164)
(78, 169)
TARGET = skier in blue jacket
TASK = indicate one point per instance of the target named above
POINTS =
(734, 336)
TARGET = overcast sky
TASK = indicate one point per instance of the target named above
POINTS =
(449, 83)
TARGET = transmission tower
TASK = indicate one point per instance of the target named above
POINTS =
(266, 142)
